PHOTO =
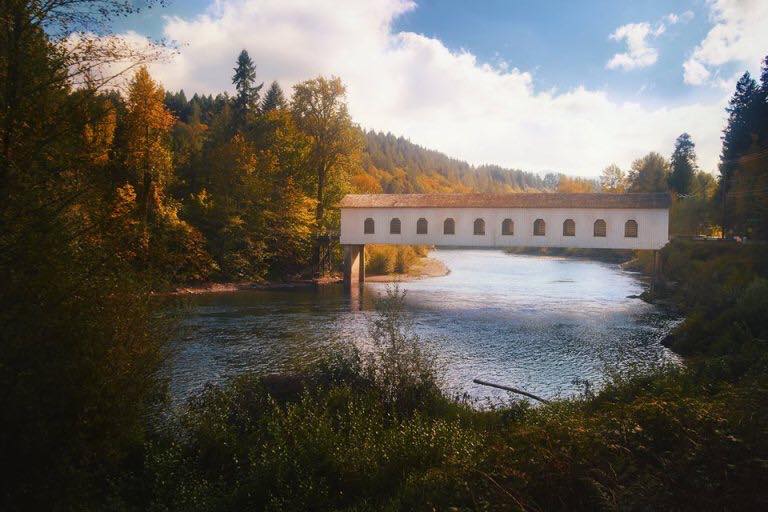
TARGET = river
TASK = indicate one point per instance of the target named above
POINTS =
(536, 323)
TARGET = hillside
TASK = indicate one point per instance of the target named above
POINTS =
(394, 164)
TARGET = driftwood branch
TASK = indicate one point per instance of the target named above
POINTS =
(509, 388)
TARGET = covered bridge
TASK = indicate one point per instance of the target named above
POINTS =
(601, 221)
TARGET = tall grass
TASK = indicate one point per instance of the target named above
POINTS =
(389, 259)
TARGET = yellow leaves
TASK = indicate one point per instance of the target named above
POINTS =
(575, 185)
(148, 126)
(365, 184)
(125, 201)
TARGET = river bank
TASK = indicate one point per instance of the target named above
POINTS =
(604, 255)
(239, 286)
(424, 268)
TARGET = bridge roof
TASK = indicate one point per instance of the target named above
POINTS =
(518, 200)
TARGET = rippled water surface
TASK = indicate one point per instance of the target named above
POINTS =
(537, 323)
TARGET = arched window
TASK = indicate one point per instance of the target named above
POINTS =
(368, 227)
(600, 228)
(507, 227)
(569, 228)
(449, 227)
(421, 226)
(479, 227)
(394, 226)
(630, 229)
(539, 227)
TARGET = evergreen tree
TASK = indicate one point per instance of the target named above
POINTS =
(247, 98)
(743, 185)
(274, 99)
(762, 115)
(737, 137)
(683, 163)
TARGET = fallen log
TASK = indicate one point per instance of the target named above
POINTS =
(513, 390)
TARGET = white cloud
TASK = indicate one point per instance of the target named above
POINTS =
(739, 34)
(413, 85)
(673, 18)
(694, 72)
(638, 54)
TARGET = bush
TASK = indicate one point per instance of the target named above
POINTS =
(388, 259)
(722, 287)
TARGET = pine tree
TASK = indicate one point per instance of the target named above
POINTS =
(247, 98)
(737, 137)
(683, 165)
(741, 157)
(274, 99)
(762, 115)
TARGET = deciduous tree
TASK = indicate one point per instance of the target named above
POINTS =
(613, 180)
(649, 174)
(320, 111)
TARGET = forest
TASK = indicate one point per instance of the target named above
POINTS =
(108, 196)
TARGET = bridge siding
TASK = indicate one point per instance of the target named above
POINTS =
(652, 227)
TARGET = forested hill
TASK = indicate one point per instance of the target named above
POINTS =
(391, 164)
(394, 164)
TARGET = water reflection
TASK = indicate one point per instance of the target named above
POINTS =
(532, 322)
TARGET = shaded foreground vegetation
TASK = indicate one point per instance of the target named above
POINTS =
(375, 432)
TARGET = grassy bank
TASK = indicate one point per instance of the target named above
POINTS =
(393, 259)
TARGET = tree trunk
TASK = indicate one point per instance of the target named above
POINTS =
(319, 215)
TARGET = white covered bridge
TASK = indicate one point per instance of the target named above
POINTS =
(600, 221)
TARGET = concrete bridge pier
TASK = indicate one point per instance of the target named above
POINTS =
(354, 265)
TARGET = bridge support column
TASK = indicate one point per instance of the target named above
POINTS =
(354, 265)
(656, 277)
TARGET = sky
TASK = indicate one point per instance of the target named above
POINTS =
(541, 86)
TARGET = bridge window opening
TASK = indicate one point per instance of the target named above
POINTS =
(539, 227)
(630, 229)
(507, 227)
(600, 228)
(449, 227)
(394, 226)
(421, 226)
(479, 227)
(368, 227)
(569, 228)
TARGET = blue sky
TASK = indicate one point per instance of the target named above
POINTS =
(565, 44)
(590, 75)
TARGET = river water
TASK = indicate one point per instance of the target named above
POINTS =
(536, 323)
